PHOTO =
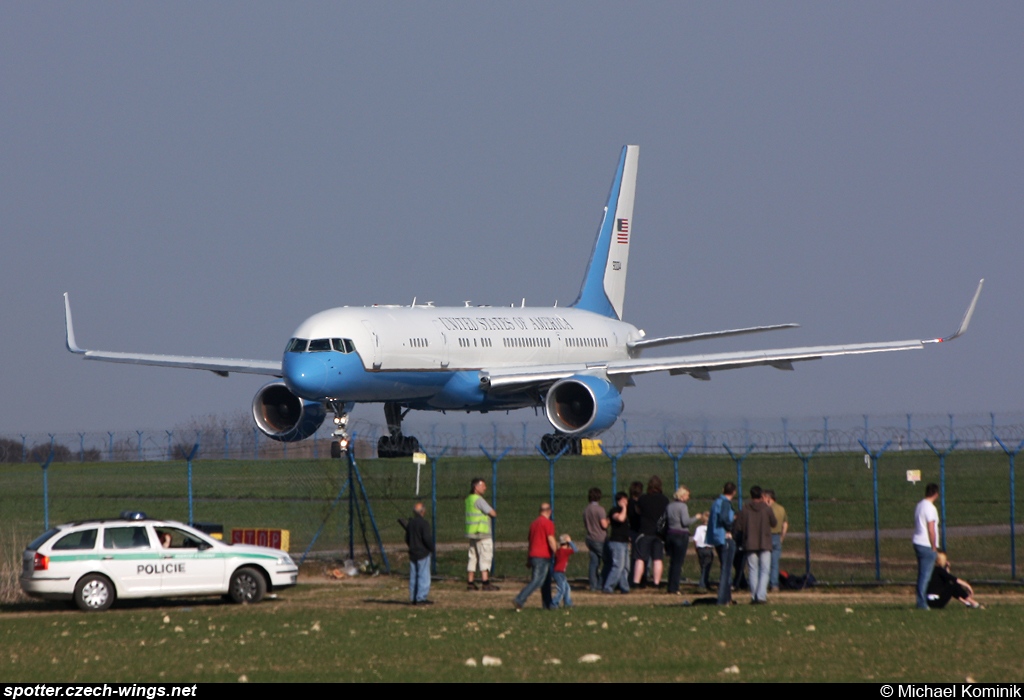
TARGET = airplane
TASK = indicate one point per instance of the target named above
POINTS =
(572, 362)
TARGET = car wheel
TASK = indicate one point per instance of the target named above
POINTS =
(247, 586)
(94, 593)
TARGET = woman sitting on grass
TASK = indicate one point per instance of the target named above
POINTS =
(945, 585)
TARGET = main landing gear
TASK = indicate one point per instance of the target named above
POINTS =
(553, 443)
(395, 444)
(340, 441)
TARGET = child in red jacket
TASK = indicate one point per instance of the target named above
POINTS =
(566, 549)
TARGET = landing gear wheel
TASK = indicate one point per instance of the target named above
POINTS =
(94, 593)
(397, 446)
(553, 443)
(247, 586)
(335, 449)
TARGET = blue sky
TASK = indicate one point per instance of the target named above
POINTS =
(203, 177)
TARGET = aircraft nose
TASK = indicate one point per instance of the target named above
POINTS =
(305, 374)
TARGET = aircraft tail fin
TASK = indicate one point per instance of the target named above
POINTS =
(604, 285)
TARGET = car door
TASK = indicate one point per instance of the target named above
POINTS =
(191, 564)
(131, 559)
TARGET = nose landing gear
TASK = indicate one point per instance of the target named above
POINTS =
(340, 442)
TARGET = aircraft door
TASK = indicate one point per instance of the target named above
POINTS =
(375, 345)
(444, 344)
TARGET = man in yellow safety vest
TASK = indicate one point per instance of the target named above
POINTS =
(480, 535)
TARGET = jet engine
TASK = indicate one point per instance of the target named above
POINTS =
(583, 405)
(283, 416)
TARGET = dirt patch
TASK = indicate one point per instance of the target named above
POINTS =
(384, 591)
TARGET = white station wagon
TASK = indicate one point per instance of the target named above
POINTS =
(99, 561)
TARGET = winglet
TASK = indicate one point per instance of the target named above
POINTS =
(967, 317)
(69, 328)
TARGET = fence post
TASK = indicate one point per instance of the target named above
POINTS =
(1012, 454)
(739, 469)
(24, 451)
(874, 485)
(433, 501)
(227, 442)
(354, 468)
(139, 433)
(551, 471)
(188, 458)
(615, 464)
(81, 447)
(494, 472)
(806, 459)
(675, 459)
(46, 490)
(110, 446)
(170, 451)
(942, 481)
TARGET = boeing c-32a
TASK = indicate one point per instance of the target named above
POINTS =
(573, 362)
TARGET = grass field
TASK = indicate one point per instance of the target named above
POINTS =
(361, 630)
(297, 495)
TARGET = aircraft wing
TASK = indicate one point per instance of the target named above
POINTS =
(217, 365)
(701, 366)
(697, 366)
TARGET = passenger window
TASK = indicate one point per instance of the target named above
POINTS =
(125, 538)
(320, 345)
(179, 539)
(84, 539)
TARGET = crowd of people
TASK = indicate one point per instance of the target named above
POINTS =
(627, 546)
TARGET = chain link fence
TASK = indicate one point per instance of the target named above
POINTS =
(833, 528)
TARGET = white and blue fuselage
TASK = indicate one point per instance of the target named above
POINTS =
(440, 358)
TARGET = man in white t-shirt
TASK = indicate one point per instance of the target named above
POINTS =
(926, 541)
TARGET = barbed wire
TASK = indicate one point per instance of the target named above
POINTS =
(222, 439)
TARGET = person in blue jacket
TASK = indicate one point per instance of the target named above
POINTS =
(719, 536)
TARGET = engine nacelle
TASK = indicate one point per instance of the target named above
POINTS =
(283, 416)
(583, 405)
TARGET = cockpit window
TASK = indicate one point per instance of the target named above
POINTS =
(343, 345)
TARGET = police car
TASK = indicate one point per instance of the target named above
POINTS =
(96, 562)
